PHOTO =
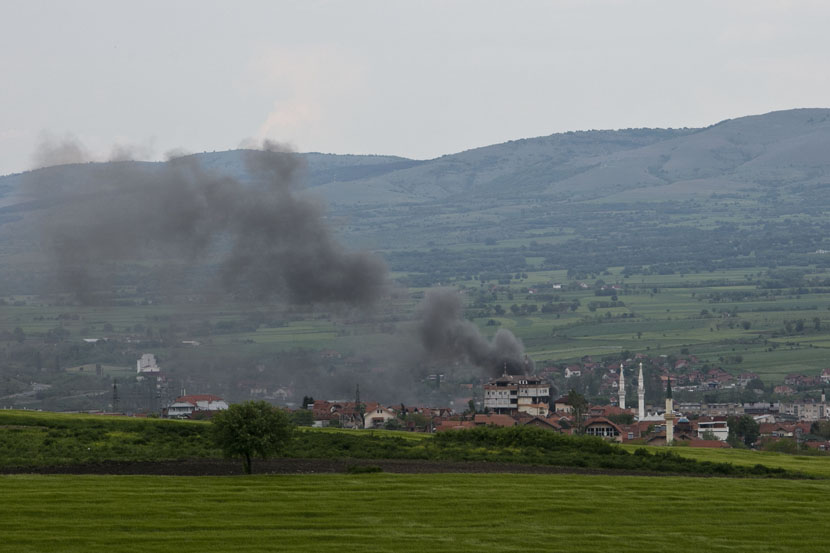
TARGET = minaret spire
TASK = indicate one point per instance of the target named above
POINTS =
(621, 389)
(669, 414)
(641, 395)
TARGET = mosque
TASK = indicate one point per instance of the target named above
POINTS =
(666, 418)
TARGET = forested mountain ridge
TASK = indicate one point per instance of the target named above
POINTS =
(780, 147)
(746, 191)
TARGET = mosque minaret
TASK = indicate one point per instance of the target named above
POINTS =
(621, 390)
(641, 396)
(669, 415)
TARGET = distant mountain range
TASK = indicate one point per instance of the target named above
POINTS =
(784, 147)
(781, 148)
(750, 170)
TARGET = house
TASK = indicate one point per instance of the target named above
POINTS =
(539, 422)
(806, 410)
(378, 416)
(494, 420)
(180, 410)
(561, 405)
(745, 378)
(186, 406)
(716, 425)
(147, 364)
(825, 376)
(573, 370)
(604, 428)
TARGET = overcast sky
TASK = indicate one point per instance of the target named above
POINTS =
(416, 78)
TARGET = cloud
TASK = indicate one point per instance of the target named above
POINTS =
(309, 89)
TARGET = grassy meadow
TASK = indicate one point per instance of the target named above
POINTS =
(816, 465)
(402, 513)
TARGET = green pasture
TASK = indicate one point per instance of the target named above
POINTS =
(108, 370)
(401, 513)
(308, 334)
(662, 314)
(816, 465)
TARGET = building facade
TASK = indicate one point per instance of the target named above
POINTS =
(511, 394)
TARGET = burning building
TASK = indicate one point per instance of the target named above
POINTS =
(511, 394)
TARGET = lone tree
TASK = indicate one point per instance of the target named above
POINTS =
(251, 428)
(743, 431)
(580, 407)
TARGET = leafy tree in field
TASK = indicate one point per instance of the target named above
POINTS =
(622, 418)
(821, 428)
(743, 431)
(784, 445)
(251, 428)
(302, 417)
(580, 406)
(393, 424)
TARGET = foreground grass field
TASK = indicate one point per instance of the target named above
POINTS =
(401, 513)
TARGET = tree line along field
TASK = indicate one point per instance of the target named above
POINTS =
(32, 440)
(385, 512)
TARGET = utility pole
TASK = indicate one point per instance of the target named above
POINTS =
(115, 396)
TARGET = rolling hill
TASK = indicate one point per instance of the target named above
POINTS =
(761, 179)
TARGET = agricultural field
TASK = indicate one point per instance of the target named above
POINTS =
(770, 322)
(386, 512)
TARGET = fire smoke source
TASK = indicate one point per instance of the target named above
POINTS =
(445, 335)
(265, 235)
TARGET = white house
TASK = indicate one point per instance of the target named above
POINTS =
(377, 417)
(716, 426)
(180, 410)
(185, 406)
(147, 364)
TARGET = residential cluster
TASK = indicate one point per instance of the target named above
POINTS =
(513, 400)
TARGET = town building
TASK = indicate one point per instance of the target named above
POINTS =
(187, 406)
(511, 394)
(147, 364)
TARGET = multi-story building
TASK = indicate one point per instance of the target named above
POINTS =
(511, 394)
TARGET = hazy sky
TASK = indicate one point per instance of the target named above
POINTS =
(415, 78)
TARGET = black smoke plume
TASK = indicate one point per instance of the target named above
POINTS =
(264, 237)
(446, 336)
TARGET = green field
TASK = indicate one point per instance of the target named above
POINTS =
(729, 318)
(814, 464)
(402, 513)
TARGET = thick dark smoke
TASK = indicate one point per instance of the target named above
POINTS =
(445, 335)
(264, 236)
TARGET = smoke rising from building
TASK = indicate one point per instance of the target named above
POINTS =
(264, 237)
(447, 336)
